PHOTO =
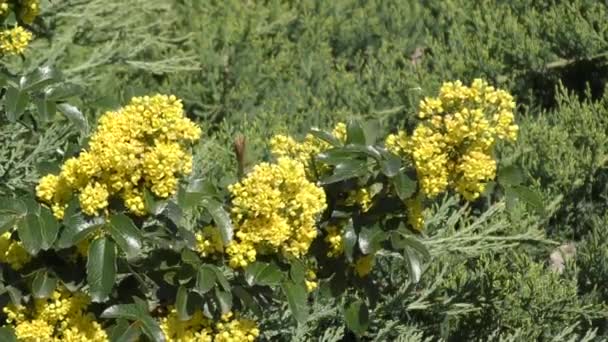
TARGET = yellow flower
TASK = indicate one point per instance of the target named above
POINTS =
(209, 241)
(311, 281)
(142, 145)
(61, 317)
(451, 147)
(415, 218)
(29, 10)
(363, 265)
(275, 209)
(360, 197)
(305, 151)
(3, 7)
(195, 329)
(15, 40)
(236, 330)
(12, 252)
(200, 329)
(335, 241)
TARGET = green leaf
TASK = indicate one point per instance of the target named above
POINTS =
(7, 334)
(224, 299)
(221, 279)
(390, 165)
(123, 332)
(39, 78)
(356, 316)
(403, 240)
(354, 133)
(205, 279)
(247, 300)
(46, 109)
(350, 240)
(75, 116)
(62, 91)
(153, 206)
(296, 299)
(533, 198)
(510, 176)
(336, 156)
(101, 268)
(30, 234)
(347, 170)
(327, 137)
(404, 186)
(15, 102)
(128, 311)
(414, 265)
(262, 273)
(372, 130)
(49, 228)
(43, 284)
(190, 257)
(221, 218)
(181, 303)
(297, 271)
(11, 212)
(126, 235)
(77, 228)
(137, 313)
(174, 213)
(195, 192)
(370, 239)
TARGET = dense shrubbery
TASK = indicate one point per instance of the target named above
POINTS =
(415, 218)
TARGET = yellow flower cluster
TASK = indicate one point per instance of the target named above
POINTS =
(311, 281)
(142, 145)
(3, 7)
(200, 329)
(62, 317)
(360, 197)
(363, 266)
(235, 330)
(275, 209)
(209, 242)
(305, 151)
(452, 145)
(14, 41)
(335, 241)
(415, 217)
(12, 252)
(29, 10)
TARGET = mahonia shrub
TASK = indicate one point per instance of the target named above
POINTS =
(173, 257)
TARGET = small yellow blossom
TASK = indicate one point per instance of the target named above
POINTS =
(363, 265)
(12, 252)
(305, 151)
(360, 197)
(14, 41)
(29, 10)
(200, 329)
(209, 241)
(311, 281)
(415, 217)
(335, 241)
(60, 318)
